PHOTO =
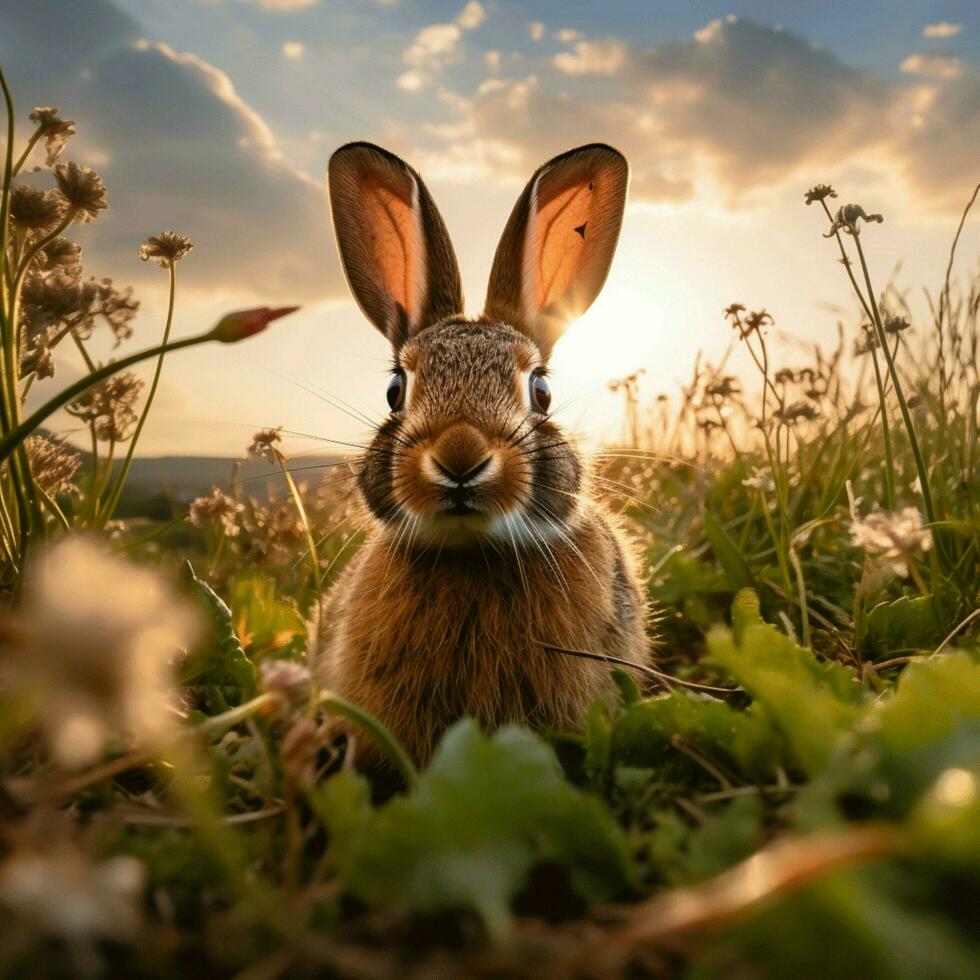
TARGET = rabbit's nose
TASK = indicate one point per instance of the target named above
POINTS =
(461, 454)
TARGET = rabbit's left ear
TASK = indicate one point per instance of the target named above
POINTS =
(556, 250)
(394, 247)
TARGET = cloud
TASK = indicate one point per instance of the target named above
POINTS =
(178, 148)
(732, 111)
(604, 57)
(293, 50)
(536, 29)
(282, 6)
(942, 29)
(932, 66)
(435, 46)
(471, 16)
(492, 60)
(568, 36)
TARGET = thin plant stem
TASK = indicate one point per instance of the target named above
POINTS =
(120, 481)
(899, 393)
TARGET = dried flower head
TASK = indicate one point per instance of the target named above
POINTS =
(847, 217)
(218, 508)
(98, 638)
(34, 209)
(795, 413)
(896, 324)
(264, 445)
(56, 131)
(38, 359)
(53, 464)
(894, 537)
(723, 387)
(819, 192)
(109, 405)
(59, 253)
(83, 190)
(165, 249)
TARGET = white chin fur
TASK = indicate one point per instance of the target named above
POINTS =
(516, 528)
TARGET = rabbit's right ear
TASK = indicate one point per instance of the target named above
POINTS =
(394, 247)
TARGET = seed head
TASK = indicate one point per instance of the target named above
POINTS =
(847, 217)
(83, 190)
(56, 131)
(53, 465)
(59, 253)
(109, 405)
(264, 445)
(166, 249)
(819, 192)
(218, 508)
(34, 209)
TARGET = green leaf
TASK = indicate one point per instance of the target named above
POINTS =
(643, 732)
(217, 672)
(267, 623)
(483, 814)
(736, 569)
(909, 623)
(812, 703)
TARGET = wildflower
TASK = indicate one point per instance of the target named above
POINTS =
(847, 218)
(289, 681)
(895, 537)
(54, 886)
(82, 188)
(219, 508)
(785, 376)
(749, 324)
(264, 445)
(760, 479)
(53, 465)
(723, 387)
(166, 249)
(97, 639)
(896, 324)
(56, 131)
(245, 323)
(796, 412)
(108, 406)
(732, 311)
(34, 209)
(117, 307)
(819, 192)
(59, 253)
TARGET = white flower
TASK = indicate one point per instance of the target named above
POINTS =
(760, 479)
(895, 537)
(97, 637)
(64, 893)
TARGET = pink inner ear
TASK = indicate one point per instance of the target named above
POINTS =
(563, 240)
(388, 226)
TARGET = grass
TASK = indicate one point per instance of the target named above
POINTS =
(793, 790)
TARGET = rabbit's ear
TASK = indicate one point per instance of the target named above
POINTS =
(395, 250)
(556, 250)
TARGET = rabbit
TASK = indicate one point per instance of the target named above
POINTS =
(486, 545)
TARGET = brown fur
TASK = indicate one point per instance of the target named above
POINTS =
(486, 542)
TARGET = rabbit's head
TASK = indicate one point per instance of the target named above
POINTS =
(470, 451)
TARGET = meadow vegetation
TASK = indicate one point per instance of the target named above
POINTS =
(793, 789)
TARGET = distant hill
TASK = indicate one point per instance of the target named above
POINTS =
(159, 487)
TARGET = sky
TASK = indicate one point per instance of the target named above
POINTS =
(215, 118)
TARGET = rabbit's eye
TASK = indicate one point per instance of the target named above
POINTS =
(396, 390)
(540, 392)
